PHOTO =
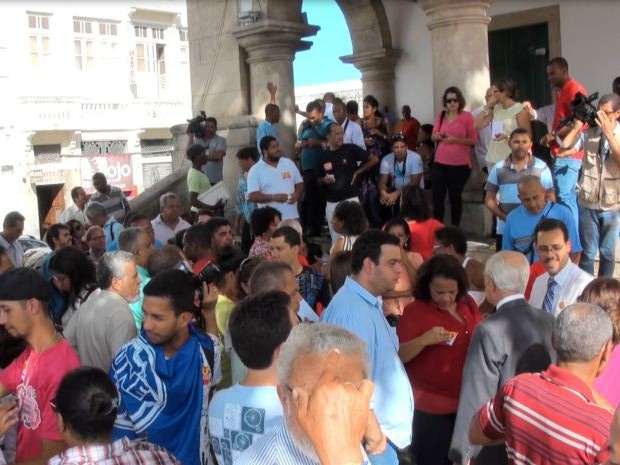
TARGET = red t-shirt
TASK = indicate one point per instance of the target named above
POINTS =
(436, 372)
(422, 236)
(562, 109)
(410, 128)
(34, 378)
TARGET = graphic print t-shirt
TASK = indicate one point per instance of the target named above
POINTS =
(238, 416)
(34, 378)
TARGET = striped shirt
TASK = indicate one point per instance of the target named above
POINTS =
(275, 447)
(504, 179)
(548, 418)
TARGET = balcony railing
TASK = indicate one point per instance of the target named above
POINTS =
(38, 113)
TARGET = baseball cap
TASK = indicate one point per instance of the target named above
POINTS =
(24, 284)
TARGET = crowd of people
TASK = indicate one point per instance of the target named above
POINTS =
(165, 340)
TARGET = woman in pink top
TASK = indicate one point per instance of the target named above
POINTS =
(455, 136)
(605, 292)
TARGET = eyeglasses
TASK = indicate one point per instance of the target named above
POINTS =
(53, 405)
(553, 248)
(452, 100)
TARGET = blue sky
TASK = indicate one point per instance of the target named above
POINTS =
(331, 42)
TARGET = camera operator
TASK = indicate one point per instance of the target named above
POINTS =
(567, 163)
(202, 130)
(599, 185)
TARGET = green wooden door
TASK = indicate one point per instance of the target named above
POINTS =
(522, 53)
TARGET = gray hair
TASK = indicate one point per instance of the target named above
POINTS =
(268, 276)
(112, 265)
(580, 332)
(319, 338)
(296, 225)
(509, 271)
(163, 199)
(129, 239)
(94, 209)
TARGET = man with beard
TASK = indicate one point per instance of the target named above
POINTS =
(165, 375)
(312, 358)
(105, 322)
(501, 189)
(357, 306)
(35, 374)
(564, 281)
(338, 170)
(275, 180)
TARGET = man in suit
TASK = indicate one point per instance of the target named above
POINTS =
(515, 339)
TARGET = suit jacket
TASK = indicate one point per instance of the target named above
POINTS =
(515, 339)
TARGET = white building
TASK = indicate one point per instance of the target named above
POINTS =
(85, 87)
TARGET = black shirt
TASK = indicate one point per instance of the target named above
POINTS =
(342, 164)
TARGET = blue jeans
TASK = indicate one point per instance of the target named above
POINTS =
(565, 175)
(598, 231)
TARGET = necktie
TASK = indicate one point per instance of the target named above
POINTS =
(550, 296)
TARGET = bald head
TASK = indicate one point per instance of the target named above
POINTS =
(532, 194)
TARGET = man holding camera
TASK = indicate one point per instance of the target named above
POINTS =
(567, 162)
(202, 130)
(599, 187)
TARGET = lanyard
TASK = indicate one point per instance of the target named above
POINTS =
(397, 171)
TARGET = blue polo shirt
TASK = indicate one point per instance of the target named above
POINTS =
(310, 155)
(357, 310)
(504, 179)
(520, 225)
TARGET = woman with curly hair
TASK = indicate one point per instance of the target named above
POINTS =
(434, 333)
(349, 221)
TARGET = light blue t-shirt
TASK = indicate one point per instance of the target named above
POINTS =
(238, 416)
(357, 310)
(400, 173)
(503, 179)
(520, 225)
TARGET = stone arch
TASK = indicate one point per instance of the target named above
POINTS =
(373, 53)
(368, 24)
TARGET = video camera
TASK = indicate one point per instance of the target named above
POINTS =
(582, 110)
(195, 124)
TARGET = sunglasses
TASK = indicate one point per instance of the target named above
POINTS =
(452, 100)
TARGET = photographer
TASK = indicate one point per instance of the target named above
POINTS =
(599, 185)
(202, 130)
(567, 163)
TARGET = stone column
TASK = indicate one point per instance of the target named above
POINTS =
(460, 48)
(377, 68)
(270, 47)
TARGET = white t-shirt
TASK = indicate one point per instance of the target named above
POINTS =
(238, 416)
(401, 172)
(282, 179)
